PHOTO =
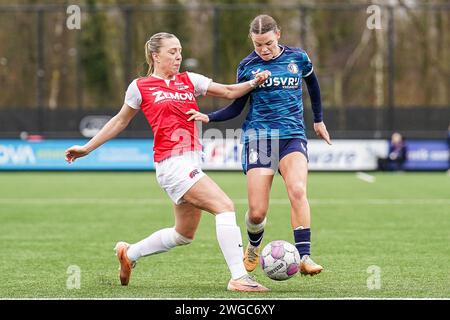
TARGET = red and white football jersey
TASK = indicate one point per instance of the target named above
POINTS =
(165, 103)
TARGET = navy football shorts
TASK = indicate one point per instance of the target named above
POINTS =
(267, 153)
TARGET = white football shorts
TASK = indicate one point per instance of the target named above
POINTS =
(177, 174)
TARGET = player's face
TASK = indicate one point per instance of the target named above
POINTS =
(168, 59)
(266, 44)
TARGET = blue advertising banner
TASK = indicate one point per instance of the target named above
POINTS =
(427, 155)
(130, 154)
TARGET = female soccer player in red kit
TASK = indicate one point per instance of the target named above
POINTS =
(165, 95)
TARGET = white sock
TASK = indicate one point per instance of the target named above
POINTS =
(230, 242)
(255, 232)
(254, 228)
(160, 241)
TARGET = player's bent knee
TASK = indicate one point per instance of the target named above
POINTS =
(297, 191)
(255, 225)
(226, 205)
(258, 220)
(256, 215)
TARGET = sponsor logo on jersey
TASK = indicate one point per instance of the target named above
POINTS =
(256, 71)
(193, 173)
(285, 82)
(182, 87)
(293, 68)
(161, 95)
(152, 88)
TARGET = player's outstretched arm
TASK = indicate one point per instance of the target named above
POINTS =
(111, 129)
(233, 91)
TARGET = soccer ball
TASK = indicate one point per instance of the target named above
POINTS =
(279, 260)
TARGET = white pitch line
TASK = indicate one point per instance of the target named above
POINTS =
(143, 201)
(365, 177)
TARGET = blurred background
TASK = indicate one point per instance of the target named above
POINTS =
(381, 69)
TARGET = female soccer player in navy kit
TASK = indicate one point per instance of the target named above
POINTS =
(274, 135)
(164, 96)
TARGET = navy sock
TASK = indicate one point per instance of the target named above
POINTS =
(303, 241)
(255, 238)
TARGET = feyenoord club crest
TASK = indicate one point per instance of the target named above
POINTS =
(253, 156)
(293, 68)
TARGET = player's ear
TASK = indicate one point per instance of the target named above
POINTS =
(278, 33)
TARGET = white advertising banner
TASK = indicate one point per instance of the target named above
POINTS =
(222, 154)
(346, 154)
(352, 155)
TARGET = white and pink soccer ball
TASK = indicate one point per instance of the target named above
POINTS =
(279, 260)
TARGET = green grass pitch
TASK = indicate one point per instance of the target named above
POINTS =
(52, 221)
